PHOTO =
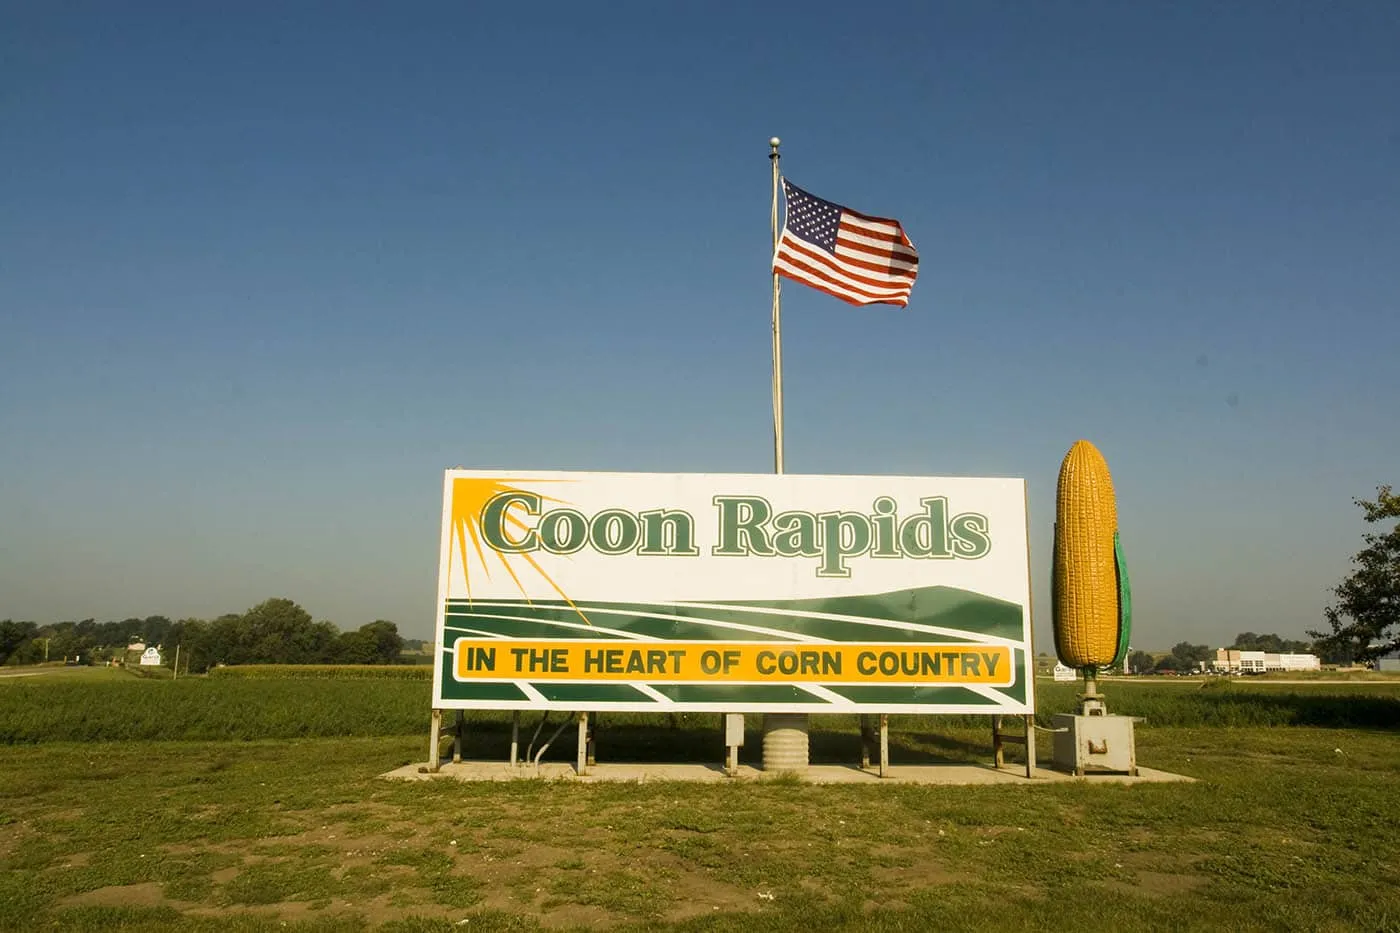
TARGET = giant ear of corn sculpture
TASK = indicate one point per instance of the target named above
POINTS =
(1092, 603)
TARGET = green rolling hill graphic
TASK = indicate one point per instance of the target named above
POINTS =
(962, 614)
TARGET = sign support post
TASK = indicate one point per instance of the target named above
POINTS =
(434, 735)
(884, 744)
(582, 763)
(514, 739)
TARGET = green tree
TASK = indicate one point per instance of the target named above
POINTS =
(1174, 663)
(127, 630)
(278, 631)
(154, 629)
(388, 644)
(31, 652)
(377, 642)
(1190, 655)
(1140, 662)
(1365, 621)
(68, 645)
(1276, 644)
(225, 640)
(193, 640)
(13, 636)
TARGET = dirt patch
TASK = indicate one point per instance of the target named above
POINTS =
(359, 851)
(1157, 884)
(72, 814)
(240, 847)
(684, 890)
(146, 894)
(366, 810)
(697, 894)
(288, 911)
(382, 909)
(11, 836)
(575, 916)
(1166, 884)
(320, 835)
(498, 898)
(344, 837)
(535, 856)
(921, 872)
(1157, 874)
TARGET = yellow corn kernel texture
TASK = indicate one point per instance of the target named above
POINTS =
(1085, 570)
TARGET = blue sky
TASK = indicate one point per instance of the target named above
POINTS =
(265, 271)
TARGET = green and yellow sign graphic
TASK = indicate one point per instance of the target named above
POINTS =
(733, 593)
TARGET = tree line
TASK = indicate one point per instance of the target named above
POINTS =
(275, 631)
(1186, 657)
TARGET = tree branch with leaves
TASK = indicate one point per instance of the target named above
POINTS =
(1365, 620)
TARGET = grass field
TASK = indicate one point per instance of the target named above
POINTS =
(107, 704)
(124, 804)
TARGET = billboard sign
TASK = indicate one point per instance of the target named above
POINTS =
(668, 592)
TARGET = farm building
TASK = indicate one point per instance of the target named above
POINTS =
(1389, 662)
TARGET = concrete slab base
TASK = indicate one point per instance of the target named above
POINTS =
(815, 774)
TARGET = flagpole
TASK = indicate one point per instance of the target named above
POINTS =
(785, 739)
(773, 157)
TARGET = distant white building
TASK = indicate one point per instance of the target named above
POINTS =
(1253, 662)
(1234, 661)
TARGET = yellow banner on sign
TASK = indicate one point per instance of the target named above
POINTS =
(592, 661)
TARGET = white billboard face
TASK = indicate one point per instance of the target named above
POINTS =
(733, 593)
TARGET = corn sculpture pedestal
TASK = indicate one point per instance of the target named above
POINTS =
(1092, 613)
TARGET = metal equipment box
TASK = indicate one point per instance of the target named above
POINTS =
(1098, 744)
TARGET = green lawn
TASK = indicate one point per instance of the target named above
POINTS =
(1286, 828)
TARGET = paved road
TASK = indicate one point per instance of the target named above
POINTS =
(1304, 683)
(1197, 681)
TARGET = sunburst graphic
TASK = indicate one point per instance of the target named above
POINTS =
(469, 497)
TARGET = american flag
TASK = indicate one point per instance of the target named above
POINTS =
(855, 257)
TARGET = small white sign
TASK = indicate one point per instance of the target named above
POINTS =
(150, 657)
(1064, 673)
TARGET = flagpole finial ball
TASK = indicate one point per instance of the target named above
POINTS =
(775, 142)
